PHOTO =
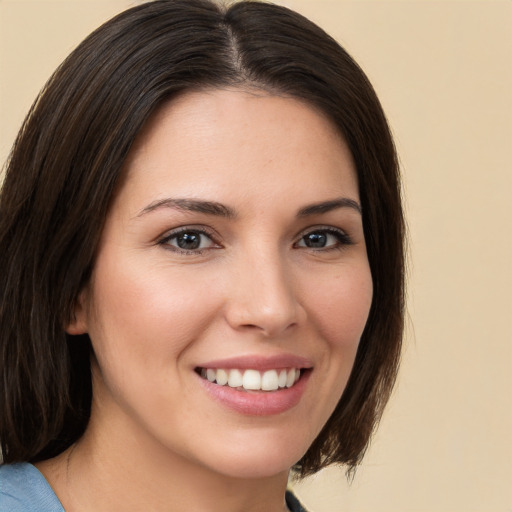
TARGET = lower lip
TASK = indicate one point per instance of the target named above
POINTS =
(258, 403)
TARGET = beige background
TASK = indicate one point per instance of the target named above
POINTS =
(444, 74)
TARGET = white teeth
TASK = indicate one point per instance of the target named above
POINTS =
(290, 379)
(252, 380)
(269, 381)
(235, 379)
(222, 377)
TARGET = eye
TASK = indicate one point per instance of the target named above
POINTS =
(188, 240)
(326, 238)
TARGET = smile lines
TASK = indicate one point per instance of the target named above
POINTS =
(252, 380)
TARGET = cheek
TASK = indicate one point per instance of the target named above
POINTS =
(142, 325)
(340, 306)
(144, 317)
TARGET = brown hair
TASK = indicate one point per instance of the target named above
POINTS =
(67, 161)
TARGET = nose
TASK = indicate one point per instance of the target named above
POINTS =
(263, 298)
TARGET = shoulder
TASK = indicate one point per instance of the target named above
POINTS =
(24, 489)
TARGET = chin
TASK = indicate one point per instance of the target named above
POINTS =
(262, 461)
(261, 467)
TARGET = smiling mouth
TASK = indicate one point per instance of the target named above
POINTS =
(252, 380)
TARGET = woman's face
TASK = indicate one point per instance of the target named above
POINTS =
(234, 250)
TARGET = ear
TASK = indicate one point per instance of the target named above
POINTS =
(78, 321)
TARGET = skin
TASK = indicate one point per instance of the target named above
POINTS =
(156, 439)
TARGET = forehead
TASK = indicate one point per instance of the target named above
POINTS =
(240, 141)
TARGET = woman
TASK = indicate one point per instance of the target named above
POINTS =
(201, 234)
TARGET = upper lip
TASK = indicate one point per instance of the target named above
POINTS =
(259, 362)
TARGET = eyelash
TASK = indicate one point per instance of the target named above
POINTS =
(342, 239)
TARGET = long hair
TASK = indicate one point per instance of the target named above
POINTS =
(67, 161)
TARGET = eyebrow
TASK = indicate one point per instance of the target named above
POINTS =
(221, 210)
(327, 206)
(191, 205)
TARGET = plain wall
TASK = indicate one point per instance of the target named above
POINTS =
(443, 71)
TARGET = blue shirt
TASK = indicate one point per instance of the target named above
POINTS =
(24, 489)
